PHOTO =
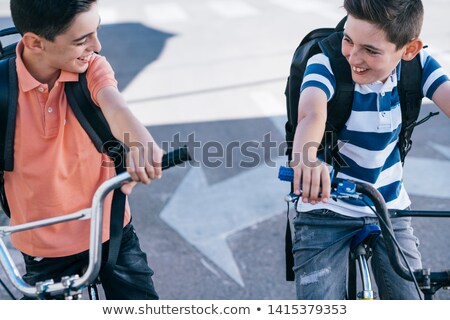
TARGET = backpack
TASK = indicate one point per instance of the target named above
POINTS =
(87, 113)
(328, 41)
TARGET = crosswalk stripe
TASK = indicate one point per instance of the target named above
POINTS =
(298, 6)
(322, 8)
(253, 104)
(165, 12)
(232, 8)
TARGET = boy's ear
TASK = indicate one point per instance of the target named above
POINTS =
(32, 41)
(412, 49)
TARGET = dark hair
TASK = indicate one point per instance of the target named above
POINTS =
(401, 20)
(46, 18)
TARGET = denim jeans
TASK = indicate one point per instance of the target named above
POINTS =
(321, 254)
(129, 278)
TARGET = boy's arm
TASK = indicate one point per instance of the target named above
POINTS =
(144, 156)
(441, 97)
(313, 173)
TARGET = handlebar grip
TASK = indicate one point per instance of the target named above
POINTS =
(175, 157)
(286, 174)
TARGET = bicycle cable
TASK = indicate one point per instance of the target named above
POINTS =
(391, 234)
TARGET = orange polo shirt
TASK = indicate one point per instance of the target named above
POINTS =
(57, 168)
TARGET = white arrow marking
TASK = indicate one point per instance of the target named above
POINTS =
(205, 215)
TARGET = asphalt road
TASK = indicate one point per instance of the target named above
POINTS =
(212, 75)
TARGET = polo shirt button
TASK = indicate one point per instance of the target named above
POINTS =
(40, 89)
(50, 109)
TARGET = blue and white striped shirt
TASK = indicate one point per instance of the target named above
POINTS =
(368, 141)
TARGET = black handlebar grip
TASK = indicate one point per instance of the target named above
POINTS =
(175, 157)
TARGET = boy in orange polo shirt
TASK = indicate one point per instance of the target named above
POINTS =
(57, 167)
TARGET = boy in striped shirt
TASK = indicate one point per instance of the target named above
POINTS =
(377, 36)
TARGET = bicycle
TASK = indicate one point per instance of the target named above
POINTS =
(425, 280)
(71, 286)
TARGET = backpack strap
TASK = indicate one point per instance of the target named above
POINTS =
(8, 107)
(94, 123)
(294, 81)
(9, 51)
(411, 95)
(89, 114)
(310, 45)
(340, 106)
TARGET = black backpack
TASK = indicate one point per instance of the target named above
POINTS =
(328, 41)
(88, 114)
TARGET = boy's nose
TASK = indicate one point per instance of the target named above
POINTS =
(354, 56)
(95, 46)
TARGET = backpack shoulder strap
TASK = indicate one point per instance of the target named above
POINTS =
(8, 107)
(340, 106)
(88, 113)
(94, 123)
(411, 95)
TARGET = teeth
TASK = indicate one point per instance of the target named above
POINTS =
(358, 69)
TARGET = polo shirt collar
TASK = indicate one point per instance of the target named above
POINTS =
(27, 82)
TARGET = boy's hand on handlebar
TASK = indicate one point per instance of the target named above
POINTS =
(143, 165)
(312, 182)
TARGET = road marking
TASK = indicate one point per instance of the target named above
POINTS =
(428, 177)
(268, 103)
(322, 8)
(298, 6)
(165, 12)
(232, 8)
(220, 210)
(230, 104)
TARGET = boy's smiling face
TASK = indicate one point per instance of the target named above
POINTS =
(370, 55)
(71, 50)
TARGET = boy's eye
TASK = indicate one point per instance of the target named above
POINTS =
(81, 42)
(372, 52)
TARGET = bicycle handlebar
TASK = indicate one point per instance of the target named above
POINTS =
(352, 189)
(95, 213)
